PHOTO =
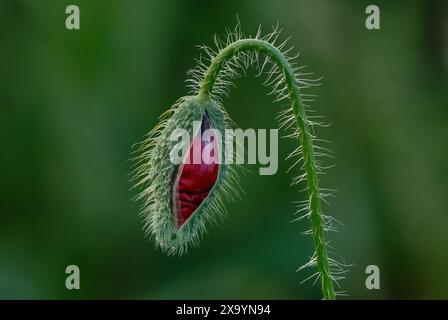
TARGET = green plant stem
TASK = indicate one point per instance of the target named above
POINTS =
(305, 138)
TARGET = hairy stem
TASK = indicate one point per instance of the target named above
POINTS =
(305, 139)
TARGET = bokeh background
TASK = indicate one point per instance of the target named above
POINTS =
(72, 103)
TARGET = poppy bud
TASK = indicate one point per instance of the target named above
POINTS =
(179, 198)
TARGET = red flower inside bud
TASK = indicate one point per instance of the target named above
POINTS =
(197, 176)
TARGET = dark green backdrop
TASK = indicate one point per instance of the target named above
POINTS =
(73, 102)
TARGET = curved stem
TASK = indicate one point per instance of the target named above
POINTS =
(305, 138)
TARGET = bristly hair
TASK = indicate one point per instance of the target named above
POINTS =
(236, 67)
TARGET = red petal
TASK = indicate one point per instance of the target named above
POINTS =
(195, 180)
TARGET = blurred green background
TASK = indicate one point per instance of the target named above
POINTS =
(72, 103)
